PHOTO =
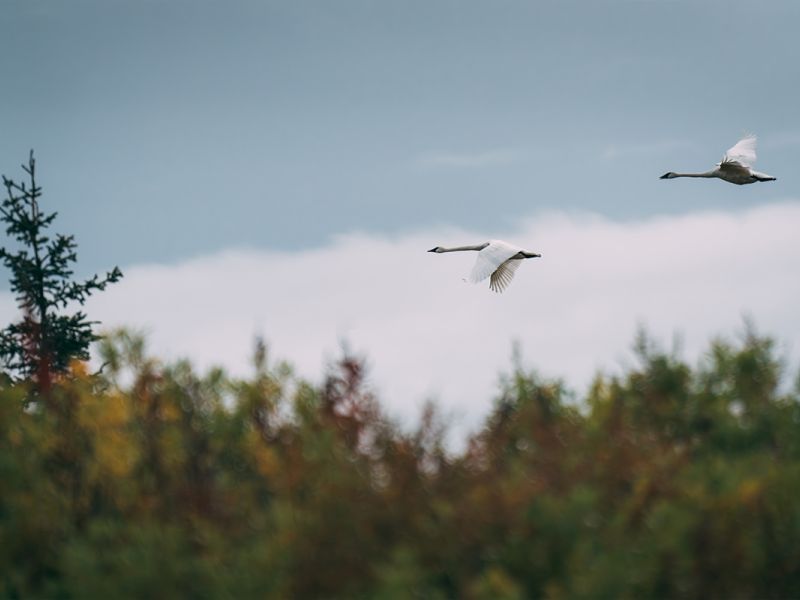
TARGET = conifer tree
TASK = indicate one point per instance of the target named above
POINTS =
(49, 336)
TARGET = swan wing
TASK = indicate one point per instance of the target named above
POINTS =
(742, 153)
(734, 168)
(504, 274)
(490, 258)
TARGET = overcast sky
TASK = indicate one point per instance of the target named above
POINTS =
(175, 134)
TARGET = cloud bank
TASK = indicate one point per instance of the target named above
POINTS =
(428, 334)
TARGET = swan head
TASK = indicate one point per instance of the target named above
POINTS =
(437, 249)
(669, 175)
(531, 254)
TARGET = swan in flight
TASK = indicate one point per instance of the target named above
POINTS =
(735, 167)
(497, 260)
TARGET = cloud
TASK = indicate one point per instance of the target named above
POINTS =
(472, 160)
(428, 334)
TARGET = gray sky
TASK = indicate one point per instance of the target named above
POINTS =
(279, 168)
(170, 129)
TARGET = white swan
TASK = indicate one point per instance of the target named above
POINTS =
(735, 167)
(496, 258)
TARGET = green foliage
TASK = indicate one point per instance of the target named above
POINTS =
(46, 339)
(667, 482)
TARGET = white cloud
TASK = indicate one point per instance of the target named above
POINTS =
(427, 334)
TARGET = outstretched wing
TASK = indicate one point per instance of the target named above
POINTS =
(742, 153)
(490, 258)
(504, 274)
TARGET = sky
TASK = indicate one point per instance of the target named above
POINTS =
(234, 157)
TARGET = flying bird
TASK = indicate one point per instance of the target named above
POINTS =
(735, 167)
(497, 260)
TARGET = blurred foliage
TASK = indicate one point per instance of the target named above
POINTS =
(151, 481)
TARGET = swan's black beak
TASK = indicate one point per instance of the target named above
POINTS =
(664, 176)
(433, 249)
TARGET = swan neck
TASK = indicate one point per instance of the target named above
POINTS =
(705, 174)
(462, 248)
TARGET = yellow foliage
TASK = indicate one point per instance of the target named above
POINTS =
(107, 418)
(749, 491)
(495, 584)
(79, 368)
(265, 458)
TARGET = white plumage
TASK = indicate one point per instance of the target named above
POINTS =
(496, 259)
(743, 152)
(735, 166)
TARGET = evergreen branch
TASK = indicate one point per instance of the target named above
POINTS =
(44, 341)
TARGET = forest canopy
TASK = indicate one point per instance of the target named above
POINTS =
(151, 480)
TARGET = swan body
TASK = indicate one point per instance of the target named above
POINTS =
(735, 167)
(496, 259)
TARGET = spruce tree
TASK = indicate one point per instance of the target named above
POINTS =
(49, 336)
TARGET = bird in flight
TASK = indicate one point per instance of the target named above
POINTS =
(736, 166)
(496, 259)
